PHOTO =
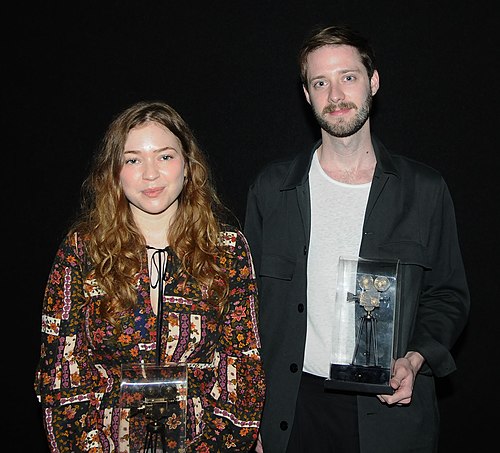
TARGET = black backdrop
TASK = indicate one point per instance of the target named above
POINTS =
(229, 68)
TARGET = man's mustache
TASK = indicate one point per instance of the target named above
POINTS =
(340, 106)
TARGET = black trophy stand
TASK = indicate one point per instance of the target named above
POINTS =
(368, 327)
(369, 300)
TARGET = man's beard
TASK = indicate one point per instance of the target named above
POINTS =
(341, 127)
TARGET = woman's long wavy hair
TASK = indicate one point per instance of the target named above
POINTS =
(113, 241)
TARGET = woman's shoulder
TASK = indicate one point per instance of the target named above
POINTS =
(73, 244)
(231, 237)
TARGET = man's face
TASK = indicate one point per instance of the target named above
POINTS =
(339, 89)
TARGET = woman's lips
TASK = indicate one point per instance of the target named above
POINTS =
(152, 192)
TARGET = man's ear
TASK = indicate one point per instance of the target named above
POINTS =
(306, 94)
(374, 82)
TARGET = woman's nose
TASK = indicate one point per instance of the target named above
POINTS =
(150, 171)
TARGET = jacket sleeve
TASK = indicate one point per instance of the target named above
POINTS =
(69, 387)
(444, 301)
(236, 399)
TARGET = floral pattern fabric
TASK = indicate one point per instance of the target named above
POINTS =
(78, 376)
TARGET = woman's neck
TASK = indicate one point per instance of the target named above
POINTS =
(154, 227)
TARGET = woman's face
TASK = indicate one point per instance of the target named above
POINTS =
(153, 172)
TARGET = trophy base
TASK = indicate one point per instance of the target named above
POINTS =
(359, 379)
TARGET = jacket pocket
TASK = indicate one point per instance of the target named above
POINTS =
(408, 252)
(277, 266)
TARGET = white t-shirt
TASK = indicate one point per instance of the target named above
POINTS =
(337, 214)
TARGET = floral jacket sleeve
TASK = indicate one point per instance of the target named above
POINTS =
(234, 389)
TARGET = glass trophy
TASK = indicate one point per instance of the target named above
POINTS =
(365, 326)
(154, 399)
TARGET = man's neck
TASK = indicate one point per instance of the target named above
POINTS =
(350, 160)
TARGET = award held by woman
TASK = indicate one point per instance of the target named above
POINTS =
(365, 326)
(154, 398)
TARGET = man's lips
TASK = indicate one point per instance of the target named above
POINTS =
(337, 112)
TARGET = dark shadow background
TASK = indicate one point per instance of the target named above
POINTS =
(229, 67)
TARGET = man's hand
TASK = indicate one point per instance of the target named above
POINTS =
(403, 378)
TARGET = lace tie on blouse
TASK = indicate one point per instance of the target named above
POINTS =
(159, 264)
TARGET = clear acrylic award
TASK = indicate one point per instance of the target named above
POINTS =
(365, 327)
(154, 400)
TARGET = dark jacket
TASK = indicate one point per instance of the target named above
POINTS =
(409, 216)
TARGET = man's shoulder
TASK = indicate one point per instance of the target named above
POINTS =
(402, 164)
(277, 170)
(277, 165)
(410, 166)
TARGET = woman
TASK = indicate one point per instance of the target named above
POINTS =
(151, 219)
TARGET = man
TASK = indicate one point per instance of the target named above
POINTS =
(349, 196)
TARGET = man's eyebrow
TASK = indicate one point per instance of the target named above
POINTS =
(339, 71)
